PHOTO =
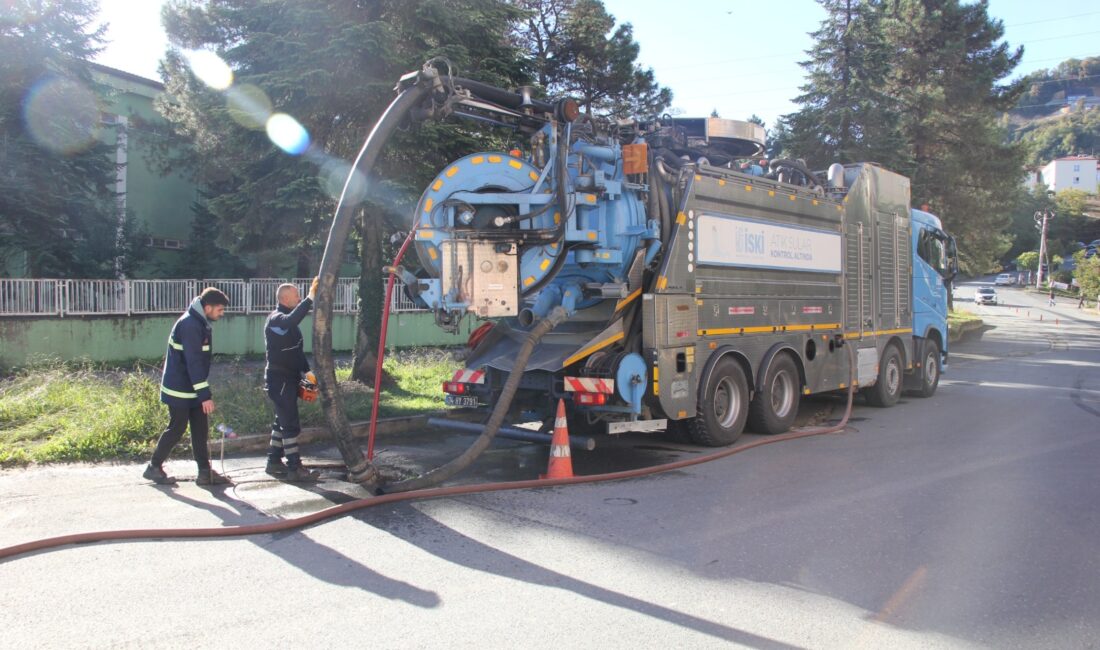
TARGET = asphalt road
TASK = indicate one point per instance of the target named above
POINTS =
(969, 519)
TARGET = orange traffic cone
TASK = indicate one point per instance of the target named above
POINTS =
(561, 463)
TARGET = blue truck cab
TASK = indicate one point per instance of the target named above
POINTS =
(935, 264)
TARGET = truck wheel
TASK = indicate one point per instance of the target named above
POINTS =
(887, 390)
(722, 406)
(929, 370)
(775, 405)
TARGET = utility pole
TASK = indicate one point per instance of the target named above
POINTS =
(1041, 219)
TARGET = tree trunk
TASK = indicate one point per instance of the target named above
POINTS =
(371, 295)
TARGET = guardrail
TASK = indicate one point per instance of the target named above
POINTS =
(44, 297)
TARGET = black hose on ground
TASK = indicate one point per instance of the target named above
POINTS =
(360, 469)
(504, 401)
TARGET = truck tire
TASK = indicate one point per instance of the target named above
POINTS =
(929, 369)
(722, 406)
(775, 405)
(887, 390)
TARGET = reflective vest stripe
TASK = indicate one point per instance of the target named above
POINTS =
(202, 385)
(176, 393)
(206, 348)
(172, 344)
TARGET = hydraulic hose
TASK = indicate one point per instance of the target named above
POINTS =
(359, 467)
(556, 316)
(433, 493)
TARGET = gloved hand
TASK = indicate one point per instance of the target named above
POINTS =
(310, 377)
(313, 288)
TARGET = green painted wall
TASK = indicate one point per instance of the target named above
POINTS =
(26, 341)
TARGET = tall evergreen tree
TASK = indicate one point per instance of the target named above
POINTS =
(58, 212)
(947, 63)
(845, 115)
(333, 69)
(576, 49)
(916, 86)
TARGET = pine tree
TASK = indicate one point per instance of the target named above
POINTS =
(947, 62)
(915, 85)
(845, 115)
(577, 50)
(332, 67)
(57, 202)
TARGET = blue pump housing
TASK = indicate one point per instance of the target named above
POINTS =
(490, 195)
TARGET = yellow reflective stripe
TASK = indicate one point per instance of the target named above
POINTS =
(176, 393)
(593, 348)
(856, 335)
(767, 328)
(202, 385)
(176, 346)
(626, 301)
(206, 348)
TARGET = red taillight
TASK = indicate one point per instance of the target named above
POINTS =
(590, 399)
(454, 387)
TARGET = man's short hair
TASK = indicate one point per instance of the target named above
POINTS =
(283, 288)
(211, 297)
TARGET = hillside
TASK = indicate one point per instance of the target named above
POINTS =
(1059, 115)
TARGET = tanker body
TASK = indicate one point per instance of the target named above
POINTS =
(702, 294)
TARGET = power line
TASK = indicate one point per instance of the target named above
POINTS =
(1051, 20)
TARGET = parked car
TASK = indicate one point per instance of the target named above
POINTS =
(1005, 279)
(985, 296)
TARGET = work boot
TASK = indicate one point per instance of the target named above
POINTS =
(157, 475)
(300, 475)
(209, 477)
(276, 468)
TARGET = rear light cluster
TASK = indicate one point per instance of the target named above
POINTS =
(454, 387)
(590, 399)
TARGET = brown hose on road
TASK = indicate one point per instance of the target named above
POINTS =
(433, 493)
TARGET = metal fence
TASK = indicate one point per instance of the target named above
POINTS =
(32, 297)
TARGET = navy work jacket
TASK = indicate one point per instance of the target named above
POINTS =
(187, 363)
(286, 357)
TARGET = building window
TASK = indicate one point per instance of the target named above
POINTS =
(1077, 168)
(167, 244)
(1076, 180)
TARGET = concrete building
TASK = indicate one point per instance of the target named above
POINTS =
(1071, 173)
(161, 205)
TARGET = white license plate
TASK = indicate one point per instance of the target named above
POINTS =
(465, 401)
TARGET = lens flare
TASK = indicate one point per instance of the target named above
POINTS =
(61, 115)
(248, 106)
(210, 69)
(287, 133)
(333, 176)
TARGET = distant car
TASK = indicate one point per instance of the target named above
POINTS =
(1005, 280)
(985, 296)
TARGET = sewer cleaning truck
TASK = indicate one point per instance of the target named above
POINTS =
(658, 274)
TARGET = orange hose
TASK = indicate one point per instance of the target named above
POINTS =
(431, 493)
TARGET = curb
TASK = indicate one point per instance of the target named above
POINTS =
(964, 328)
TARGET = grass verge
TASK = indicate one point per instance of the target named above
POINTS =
(63, 412)
(960, 321)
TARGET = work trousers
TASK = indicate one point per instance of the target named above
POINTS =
(283, 393)
(178, 419)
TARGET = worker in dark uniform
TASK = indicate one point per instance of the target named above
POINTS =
(286, 365)
(185, 388)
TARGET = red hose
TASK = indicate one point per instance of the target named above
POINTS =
(432, 493)
(382, 339)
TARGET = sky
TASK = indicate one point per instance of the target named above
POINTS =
(733, 56)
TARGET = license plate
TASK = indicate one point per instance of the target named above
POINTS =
(465, 401)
